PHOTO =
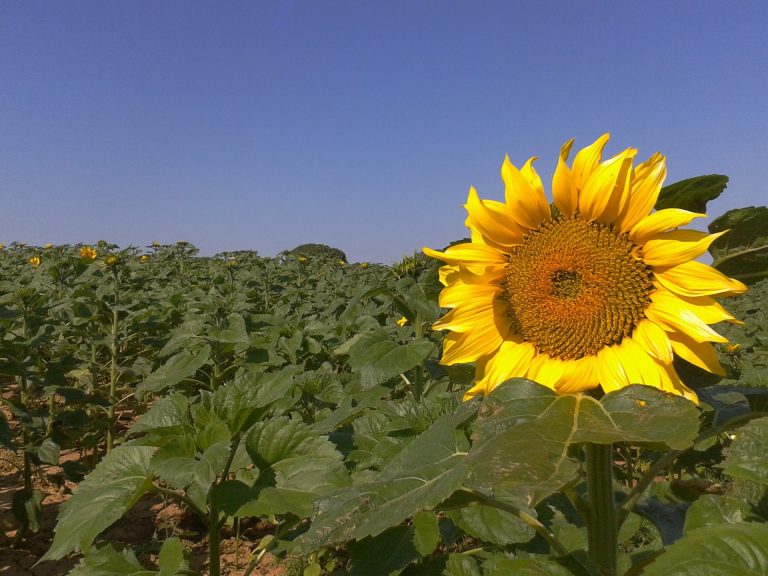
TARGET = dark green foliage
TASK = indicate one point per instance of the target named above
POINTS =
(318, 251)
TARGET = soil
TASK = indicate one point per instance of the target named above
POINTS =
(143, 528)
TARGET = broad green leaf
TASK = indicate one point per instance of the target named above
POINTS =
(732, 549)
(711, 510)
(499, 565)
(176, 368)
(113, 487)
(521, 453)
(167, 412)
(426, 533)
(461, 565)
(106, 560)
(171, 561)
(491, 524)
(747, 456)
(742, 253)
(423, 474)
(693, 193)
(299, 464)
(48, 452)
(387, 554)
(377, 358)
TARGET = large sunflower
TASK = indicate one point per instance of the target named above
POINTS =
(596, 290)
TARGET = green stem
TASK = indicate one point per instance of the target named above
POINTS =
(112, 380)
(214, 542)
(602, 525)
(418, 382)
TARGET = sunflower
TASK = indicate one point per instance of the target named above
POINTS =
(88, 253)
(595, 290)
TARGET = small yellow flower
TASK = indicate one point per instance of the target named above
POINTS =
(342, 263)
(2, 246)
(732, 348)
(302, 259)
(155, 244)
(144, 258)
(364, 265)
(87, 253)
(48, 246)
(35, 261)
(111, 260)
(402, 322)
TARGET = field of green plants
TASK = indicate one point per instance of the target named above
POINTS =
(293, 414)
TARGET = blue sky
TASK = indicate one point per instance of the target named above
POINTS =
(264, 125)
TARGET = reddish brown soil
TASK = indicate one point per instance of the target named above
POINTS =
(143, 529)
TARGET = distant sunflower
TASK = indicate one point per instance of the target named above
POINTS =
(88, 253)
(596, 291)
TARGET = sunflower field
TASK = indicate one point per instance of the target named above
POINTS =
(167, 414)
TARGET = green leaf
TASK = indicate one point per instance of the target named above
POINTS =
(693, 193)
(491, 524)
(742, 253)
(747, 456)
(461, 565)
(176, 368)
(524, 431)
(426, 534)
(732, 549)
(388, 554)
(48, 452)
(167, 412)
(499, 565)
(108, 561)
(377, 358)
(711, 510)
(171, 561)
(115, 485)
(423, 474)
(299, 464)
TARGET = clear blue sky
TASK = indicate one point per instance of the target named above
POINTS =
(263, 125)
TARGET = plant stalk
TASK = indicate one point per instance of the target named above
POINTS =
(602, 525)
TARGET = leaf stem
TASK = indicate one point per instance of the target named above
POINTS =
(556, 546)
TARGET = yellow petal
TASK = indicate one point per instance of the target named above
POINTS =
(468, 252)
(469, 316)
(546, 370)
(701, 354)
(461, 293)
(639, 366)
(472, 345)
(512, 360)
(653, 339)
(645, 184)
(705, 307)
(563, 188)
(665, 311)
(578, 376)
(676, 247)
(497, 227)
(587, 160)
(525, 199)
(605, 191)
(697, 279)
(609, 370)
(661, 221)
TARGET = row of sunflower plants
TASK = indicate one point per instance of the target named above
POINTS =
(307, 395)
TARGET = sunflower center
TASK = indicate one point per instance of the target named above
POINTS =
(573, 287)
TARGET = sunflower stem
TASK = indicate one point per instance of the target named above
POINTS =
(602, 525)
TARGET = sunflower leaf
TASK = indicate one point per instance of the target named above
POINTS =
(733, 549)
(743, 252)
(747, 457)
(693, 193)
